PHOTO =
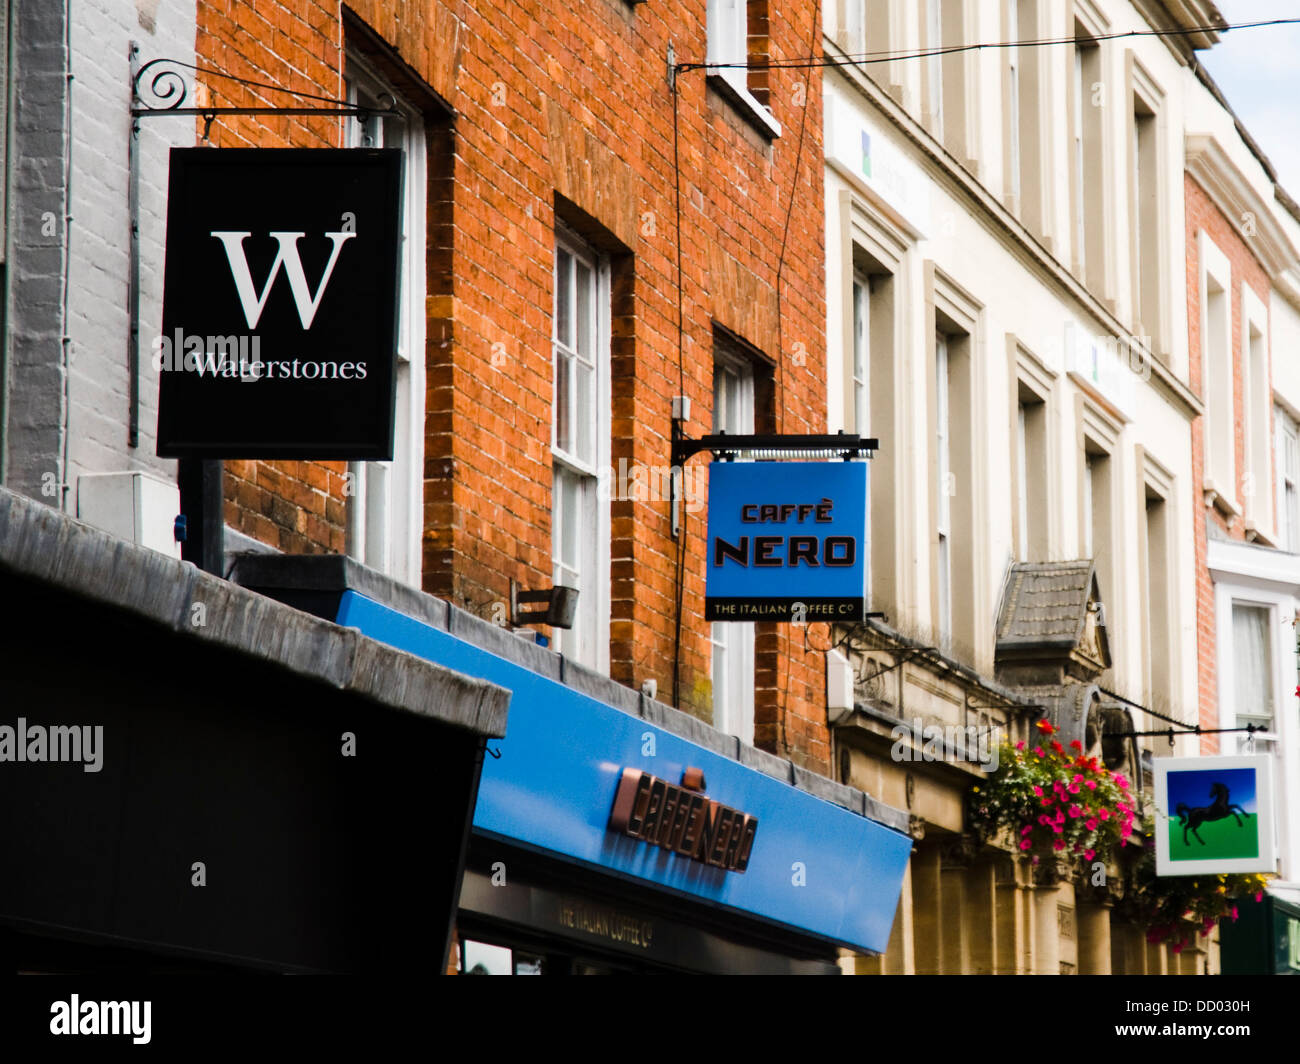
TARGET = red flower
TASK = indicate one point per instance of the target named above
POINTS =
(1044, 727)
(1058, 747)
(1077, 745)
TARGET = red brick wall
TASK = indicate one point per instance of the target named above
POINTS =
(567, 108)
(1203, 215)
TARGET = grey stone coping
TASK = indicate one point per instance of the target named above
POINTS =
(335, 574)
(47, 545)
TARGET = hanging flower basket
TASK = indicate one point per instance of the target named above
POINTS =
(1175, 909)
(1054, 802)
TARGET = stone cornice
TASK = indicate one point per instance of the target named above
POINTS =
(1210, 166)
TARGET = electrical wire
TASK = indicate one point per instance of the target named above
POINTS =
(867, 58)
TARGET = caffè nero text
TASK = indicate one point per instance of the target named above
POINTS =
(682, 821)
(768, 551)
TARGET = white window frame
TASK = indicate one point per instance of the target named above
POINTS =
(728, 57)
(858, 364)
(943, 514)
(1242, 717)
(1085, 526)
(385, 513)
(1217, 379)
(576, 476)
(1079, 205)
(1257, 406)
(1013, 102)
(732, 667)
(932, 14)
(1288, 481)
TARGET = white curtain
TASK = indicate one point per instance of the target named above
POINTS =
(1252, 665)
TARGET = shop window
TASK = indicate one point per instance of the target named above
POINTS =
(580, 446)
(733, 642)
(385, 517)
(738, 35)
(483, 958)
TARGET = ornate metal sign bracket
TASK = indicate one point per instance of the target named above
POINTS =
(159, 89)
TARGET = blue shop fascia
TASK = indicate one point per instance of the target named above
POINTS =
(612, 833)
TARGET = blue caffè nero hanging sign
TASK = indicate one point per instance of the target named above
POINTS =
(787, 541)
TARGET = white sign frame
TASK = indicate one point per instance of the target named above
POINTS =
(1262, 764)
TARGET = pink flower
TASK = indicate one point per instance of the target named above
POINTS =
(1090, 823)
(1058, 829)
(1020, 745)
(1027, 829)
(1025, 844)
(1058, 845)
(1073, 788)
(1104, 814)
(1121, 783)
(1078, 778)
(1088, 855)
(1090, 784)
(1234, 912)
(1038, 791)
(1038, 751)
(1046, 821)
(1075, 811)
(1259, 896)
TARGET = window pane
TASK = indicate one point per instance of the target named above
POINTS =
(479, 958)
(563, 315)
(570, 527)
(585, 340)
(563, 401)
(1252, 665)
(584, 412)
(861, 338)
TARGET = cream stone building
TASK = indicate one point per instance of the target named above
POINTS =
(1007, 313)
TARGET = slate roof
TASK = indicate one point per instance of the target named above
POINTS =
(1045, 604)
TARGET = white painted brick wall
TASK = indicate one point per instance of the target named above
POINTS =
(101, 33)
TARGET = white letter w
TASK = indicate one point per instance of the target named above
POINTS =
(254, 302)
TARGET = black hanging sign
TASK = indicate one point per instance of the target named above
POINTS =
(280, 303)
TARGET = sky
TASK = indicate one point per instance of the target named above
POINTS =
(1259, 73)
